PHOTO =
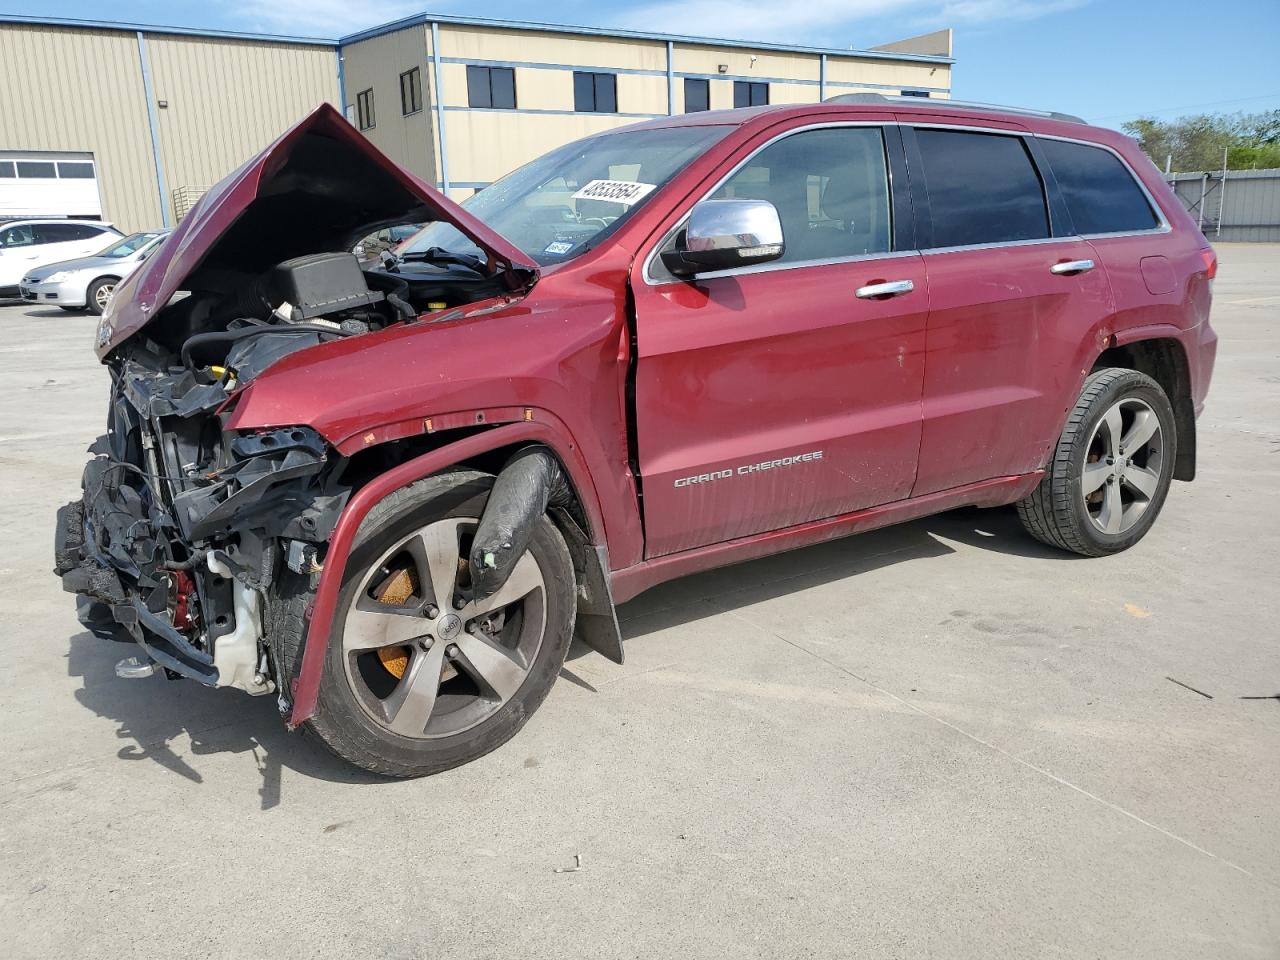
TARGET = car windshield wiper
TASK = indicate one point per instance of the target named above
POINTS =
(441, 255)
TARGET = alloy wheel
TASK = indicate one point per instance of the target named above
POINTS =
(424, 658)
(1123, 466)
(102, 295)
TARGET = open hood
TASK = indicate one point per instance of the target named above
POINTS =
(320, 187)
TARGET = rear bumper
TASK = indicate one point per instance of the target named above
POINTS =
(106, 550)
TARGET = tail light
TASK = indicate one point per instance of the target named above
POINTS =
(1210, 262)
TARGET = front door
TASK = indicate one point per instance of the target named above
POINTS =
(777, 394)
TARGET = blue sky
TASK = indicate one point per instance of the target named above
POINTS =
(1108, 60)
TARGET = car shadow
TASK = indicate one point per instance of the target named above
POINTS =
(706, 594)
(152, 714)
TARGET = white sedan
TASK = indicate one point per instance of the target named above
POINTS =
(87, 283)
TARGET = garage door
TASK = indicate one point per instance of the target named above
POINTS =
(48, 185)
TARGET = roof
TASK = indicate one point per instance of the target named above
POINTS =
(480, 22)
(23, 20)
(537, 26)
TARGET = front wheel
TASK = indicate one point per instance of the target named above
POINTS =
(421, 675)
(1111, 470)
(98, 295)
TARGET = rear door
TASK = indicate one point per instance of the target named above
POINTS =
(771, 395)
(1012, 292)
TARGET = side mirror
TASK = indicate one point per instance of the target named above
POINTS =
(723, 234)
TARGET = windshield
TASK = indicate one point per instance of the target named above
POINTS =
(130, 244)
(568, 200)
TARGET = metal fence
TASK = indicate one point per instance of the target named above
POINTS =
(1232, 204)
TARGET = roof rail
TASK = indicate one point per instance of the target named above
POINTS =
(966, 104)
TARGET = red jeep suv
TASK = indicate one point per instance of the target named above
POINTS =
(389, 496)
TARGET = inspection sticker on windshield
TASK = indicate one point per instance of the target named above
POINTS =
(617, 191)
(558, 248)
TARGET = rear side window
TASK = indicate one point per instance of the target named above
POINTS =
(65, 232)
(983, 188)
(1101, 193)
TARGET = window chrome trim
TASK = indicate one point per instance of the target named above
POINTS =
(651, 281)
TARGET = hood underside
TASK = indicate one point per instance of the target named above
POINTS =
(319, 188)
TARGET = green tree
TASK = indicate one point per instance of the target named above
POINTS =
(1251, 141)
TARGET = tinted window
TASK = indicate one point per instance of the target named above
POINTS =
(33, 168)
(1101, 193)
(75, 171)
(982, 187)
(411, 91)
(830, 189)
(64, 232)
(364, 109)
(697, 95)
(748, 93)
(916, 93)
(6, 168)
(491, 87)
(595, 92)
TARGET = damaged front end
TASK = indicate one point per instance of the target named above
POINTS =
(185, 523)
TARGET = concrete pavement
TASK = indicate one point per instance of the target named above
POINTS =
(937, 740)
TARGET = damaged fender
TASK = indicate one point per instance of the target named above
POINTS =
(594, 590)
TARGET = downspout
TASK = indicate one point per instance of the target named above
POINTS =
(153, 121)
(442, 139)
(822, 79)
(342, 84)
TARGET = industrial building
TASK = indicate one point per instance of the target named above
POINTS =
(143, 119)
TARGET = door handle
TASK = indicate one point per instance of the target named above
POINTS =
(892, 288)
(1072, 266)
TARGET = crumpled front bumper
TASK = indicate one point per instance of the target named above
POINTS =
(107, 551)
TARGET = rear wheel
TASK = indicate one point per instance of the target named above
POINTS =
(420, 675)
(1111, 469)
(99, 293)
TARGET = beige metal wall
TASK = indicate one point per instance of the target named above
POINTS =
(75, 89)
(376, 65)
(483, 145)
(82, 90)
(229, 99)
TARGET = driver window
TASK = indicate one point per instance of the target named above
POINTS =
(831, 190)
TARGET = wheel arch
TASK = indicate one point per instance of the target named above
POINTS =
(1164, 360)
(480, 450)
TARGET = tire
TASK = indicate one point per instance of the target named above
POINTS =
(367, 713)
(96, 296)
(1097, 497)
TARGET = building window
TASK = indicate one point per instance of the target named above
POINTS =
(595, 92)
(6, 169)
(75, 171)
(697, 95)
(916, 93)
(411, 91)
(749, 93)
(491, 87)
(364, 110)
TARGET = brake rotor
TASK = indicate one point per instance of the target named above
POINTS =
(394, 591)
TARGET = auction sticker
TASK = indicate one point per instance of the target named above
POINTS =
(617, 191)
(558, 248)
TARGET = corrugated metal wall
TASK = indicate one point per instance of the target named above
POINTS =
(1245, 208)
(376, 65)
(82, 90)
(227, 100)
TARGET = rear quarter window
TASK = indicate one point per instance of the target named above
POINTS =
(983, 188)
(1100, 192)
